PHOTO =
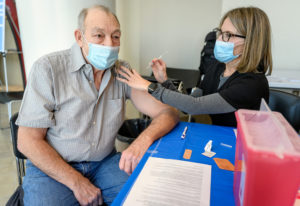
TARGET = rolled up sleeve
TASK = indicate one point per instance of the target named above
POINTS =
(37, 109)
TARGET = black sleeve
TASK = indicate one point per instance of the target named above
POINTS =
(246, 91)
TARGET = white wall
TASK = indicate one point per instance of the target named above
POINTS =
(49, 25)
(128, 12)
(151, 27)
(284, 18)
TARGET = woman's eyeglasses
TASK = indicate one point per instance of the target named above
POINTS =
(227, 35)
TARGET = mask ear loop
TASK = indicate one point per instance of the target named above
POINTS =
(237, 44)
(239, 55)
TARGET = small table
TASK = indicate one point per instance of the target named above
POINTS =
(285, 79)
(12, 88)
(171, 146)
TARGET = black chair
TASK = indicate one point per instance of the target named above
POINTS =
(183, 79)
(19, 156)
(131, 129)
(288, 105)
(17, 197)
(9, 98)
(189, 77)
(177, 83)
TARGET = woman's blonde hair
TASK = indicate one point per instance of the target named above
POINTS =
(253, 23)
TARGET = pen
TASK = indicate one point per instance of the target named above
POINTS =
(184, 132)
(225, 145)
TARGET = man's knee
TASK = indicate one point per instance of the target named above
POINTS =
(110, 178)
(40, 189)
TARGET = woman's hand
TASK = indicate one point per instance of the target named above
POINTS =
(159, 70)
(133, 79)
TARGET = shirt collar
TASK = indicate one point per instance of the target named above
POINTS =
(77, 58)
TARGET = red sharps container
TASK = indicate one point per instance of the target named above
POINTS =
(267, 160)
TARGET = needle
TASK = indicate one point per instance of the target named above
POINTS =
(160, 56)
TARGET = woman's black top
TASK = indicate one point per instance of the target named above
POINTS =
(241, 90)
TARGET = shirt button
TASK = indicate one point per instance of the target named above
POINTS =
(91, 82)
(94, 123)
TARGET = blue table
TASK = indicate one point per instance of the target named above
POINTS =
(172, 146)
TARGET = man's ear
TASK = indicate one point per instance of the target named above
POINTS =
(78, 37)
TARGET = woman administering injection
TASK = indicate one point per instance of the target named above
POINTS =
(243, 49)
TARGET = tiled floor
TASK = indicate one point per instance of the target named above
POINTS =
(8, 172)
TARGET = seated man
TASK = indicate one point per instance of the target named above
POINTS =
(70, 115)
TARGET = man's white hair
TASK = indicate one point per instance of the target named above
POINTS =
(82, 15)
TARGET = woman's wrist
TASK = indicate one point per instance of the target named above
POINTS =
(162, 80)
(146, 85)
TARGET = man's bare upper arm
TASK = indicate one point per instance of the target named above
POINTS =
(27, 136)
(39, 133)
(147, 104)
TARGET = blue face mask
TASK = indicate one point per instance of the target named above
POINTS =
(102, 57)
(223, 51)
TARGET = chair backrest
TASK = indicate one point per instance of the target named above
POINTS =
(131, 129)
(151, 78)
(189, 77)
(288, 105)
(14, 136)
(207, 57)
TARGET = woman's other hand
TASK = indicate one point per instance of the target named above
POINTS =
(133, 79)
(159, 70)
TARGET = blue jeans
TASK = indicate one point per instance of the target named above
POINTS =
(40, 189)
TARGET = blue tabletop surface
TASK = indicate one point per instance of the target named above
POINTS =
(171, 146)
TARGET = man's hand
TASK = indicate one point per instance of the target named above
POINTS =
(164, 118)
(133, 154)
(32, 143)
(86, 193)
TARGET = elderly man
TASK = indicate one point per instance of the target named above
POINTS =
(71, 112)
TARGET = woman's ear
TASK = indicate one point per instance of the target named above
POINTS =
(238, 48)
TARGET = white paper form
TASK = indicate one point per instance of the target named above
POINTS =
(164, 182)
